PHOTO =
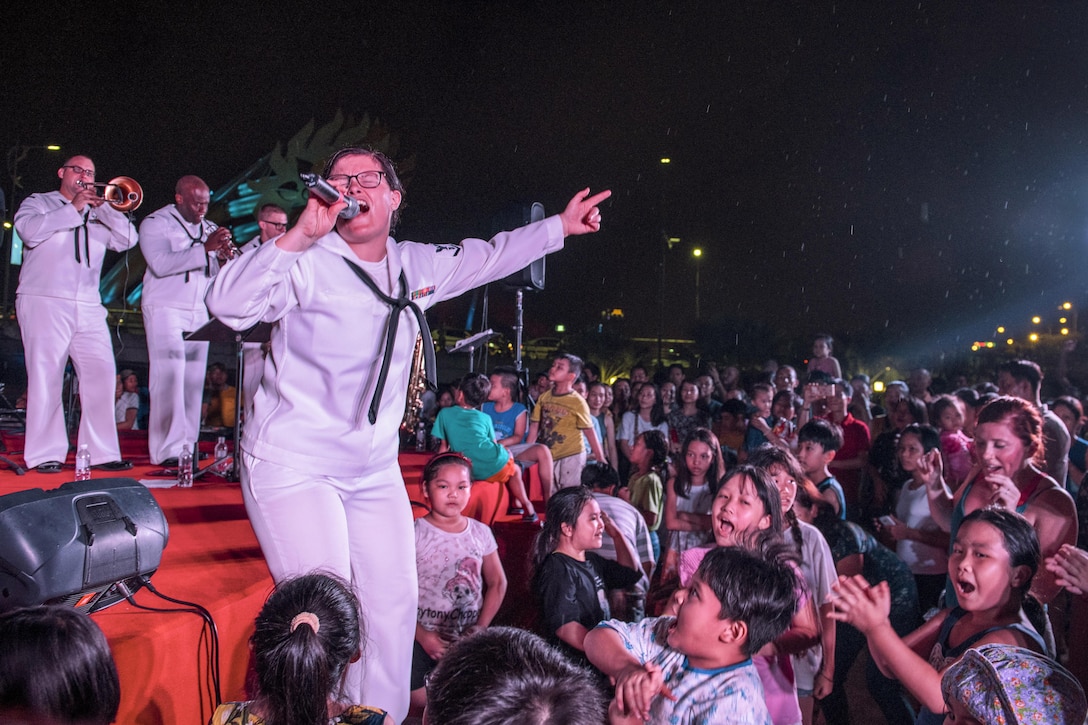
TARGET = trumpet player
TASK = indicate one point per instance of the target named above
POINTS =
(183, 252)
(65, 236)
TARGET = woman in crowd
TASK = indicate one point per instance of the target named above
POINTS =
(1009, 449)
(647, 413)
(689, 414)
(885, 476)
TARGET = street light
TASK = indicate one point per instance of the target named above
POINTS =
(1068, 307)
(17, 154)
(698, 254)
(669, 241)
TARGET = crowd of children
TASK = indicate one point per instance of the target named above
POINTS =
(735, 582)
(815, 479)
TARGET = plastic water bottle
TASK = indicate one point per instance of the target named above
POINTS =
(83, 463)
(185, 466)
(222, 465)
(421, 436)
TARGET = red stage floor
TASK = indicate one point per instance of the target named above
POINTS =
(212, 558)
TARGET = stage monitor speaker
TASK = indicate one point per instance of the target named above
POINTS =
(514, 216)
(72, 545)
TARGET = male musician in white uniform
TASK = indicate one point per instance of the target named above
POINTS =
(320, 478)
(65, 236)
(272, 222)
(182, 251)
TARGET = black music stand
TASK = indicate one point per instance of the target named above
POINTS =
(471, 345)
(215, 331)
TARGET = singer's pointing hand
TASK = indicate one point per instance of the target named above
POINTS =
(316, 220)
(582, 214)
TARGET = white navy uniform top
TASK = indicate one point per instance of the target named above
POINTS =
(179, 271)
(63, 248)
(327, 346)
(252, 245)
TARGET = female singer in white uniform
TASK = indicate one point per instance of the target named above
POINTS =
(320, 478)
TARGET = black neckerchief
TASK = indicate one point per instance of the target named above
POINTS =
(193, 241)
(86, 239)
(399, 304)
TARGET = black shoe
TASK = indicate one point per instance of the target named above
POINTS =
(170, 463)
(49, 467)
(113, 466)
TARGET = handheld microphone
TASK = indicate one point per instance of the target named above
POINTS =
(321, 188)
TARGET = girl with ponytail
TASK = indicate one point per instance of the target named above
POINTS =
(307, 634)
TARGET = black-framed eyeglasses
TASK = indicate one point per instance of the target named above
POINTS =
(80, 171)
(365, 179)
(278, 226)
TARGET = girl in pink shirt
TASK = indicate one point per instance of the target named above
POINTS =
(747, 512)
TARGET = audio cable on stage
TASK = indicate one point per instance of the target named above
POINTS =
(192, 607)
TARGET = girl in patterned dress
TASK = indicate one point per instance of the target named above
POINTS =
(461, 580)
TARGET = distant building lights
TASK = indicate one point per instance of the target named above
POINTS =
(1009, 341)
(1036, 320)
(1001, 330)
(1067, 305)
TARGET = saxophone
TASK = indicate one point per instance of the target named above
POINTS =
(417, 386)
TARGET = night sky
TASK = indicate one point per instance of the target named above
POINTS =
(903, 175)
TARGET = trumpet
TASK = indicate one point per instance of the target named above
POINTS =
(228, 250)
(123, 193)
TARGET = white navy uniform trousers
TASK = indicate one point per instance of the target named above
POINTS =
(178, 274)
(321, 484)
(61, 315)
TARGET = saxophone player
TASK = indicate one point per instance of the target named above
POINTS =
(271, 221)
(65, 235)
(321, 482)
